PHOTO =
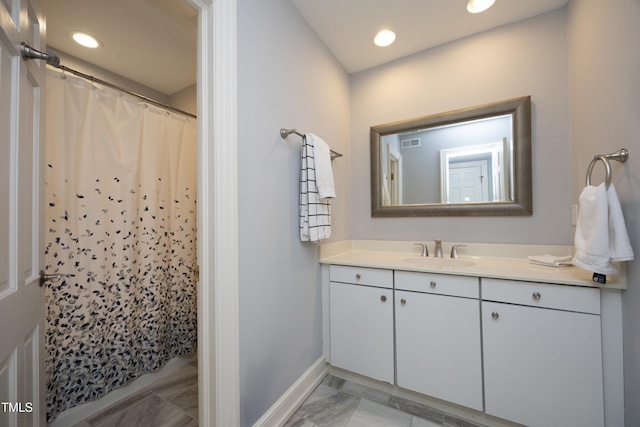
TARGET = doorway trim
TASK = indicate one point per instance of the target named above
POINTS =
(494, 150)
(218, 308)
(394, 172)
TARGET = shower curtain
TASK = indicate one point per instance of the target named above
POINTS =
(121, 216)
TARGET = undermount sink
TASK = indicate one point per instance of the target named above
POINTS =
(438, 262)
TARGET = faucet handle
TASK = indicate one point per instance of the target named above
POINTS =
(425, 251)
(454, 250)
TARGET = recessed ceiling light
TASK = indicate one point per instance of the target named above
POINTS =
(384, 38)
(85, 39)
(477, 6)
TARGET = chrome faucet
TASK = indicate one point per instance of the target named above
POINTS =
(425, 251)
(438, 249)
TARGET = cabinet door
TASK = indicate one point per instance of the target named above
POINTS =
(438, 348)
(542, 367)
(361, 324)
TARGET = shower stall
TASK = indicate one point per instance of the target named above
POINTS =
(121, 231)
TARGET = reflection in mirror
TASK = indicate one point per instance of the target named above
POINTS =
(475, 161)
(463, 162)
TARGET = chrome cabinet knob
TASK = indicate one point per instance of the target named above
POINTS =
(495, 315)
(383, 298)
(536, 295)
(403, 301)
(432, 284)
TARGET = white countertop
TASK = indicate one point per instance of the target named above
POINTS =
(500, 261)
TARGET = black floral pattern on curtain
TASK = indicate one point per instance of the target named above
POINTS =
(121, 217)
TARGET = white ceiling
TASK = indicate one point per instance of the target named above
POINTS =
(347, 27)
(153, 42)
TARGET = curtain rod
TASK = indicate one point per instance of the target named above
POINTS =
(53, 60)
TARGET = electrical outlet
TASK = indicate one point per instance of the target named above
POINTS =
(574, 214)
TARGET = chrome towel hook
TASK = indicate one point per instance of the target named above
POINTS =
(621, 156)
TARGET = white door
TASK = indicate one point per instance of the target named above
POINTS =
(22, 401)
(468, 182)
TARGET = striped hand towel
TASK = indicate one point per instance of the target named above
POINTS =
(315, 214)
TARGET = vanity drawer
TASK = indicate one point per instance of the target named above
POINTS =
(442, 284)
(560, 297)
(361, 276)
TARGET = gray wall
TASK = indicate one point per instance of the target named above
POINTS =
(526, 58)
(604, 83)
(286, 78)
(100, 73)
(185, 99)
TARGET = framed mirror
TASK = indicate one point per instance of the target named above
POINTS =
(473, 161)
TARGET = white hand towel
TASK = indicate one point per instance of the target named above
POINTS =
(619, 244)
(324, 170)
(601, 233)
(315, 214)
(550, 260)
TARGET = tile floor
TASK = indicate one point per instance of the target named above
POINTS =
(169, 402)
(173, 402)
(339, 403)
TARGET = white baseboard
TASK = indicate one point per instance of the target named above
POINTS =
(291, 400)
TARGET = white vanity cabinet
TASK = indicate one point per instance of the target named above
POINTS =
(361, 321)
(495, 337)
(438, 349)
(542, 353)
